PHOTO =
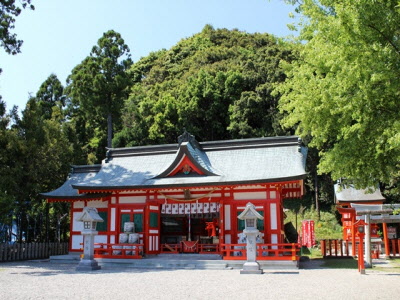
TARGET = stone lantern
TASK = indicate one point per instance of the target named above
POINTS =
(250, 217)
(90, 218)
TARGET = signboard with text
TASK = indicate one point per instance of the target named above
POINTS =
(308, 234)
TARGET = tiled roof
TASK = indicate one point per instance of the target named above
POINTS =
(351, 194)
(243, 161)
(79, 174)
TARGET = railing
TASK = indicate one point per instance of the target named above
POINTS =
(132, 251)
(170, 248)
(264, 251)
(336, 248)
(343, 248)
(26, 251)
(196, 248)
(394, 246)
(208, 248)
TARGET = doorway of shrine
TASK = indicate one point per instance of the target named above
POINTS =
(189, 233)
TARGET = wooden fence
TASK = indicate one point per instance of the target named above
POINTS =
(31, 251)
(342, 248)
(336, 248)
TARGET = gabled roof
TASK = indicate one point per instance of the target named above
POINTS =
(195, 156)
(89, 214)
(347, 194)
(250, 212)
(245, 161)
(79, 174)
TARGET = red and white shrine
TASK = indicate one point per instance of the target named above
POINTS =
(186, 197)
(367, 205)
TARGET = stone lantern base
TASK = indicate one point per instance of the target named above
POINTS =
(88, 265)
(251, 268)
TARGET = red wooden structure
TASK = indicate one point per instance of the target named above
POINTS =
(185, 197)
(345, 196)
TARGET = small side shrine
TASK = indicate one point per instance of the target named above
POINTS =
(346, 196)
(185, 197)
(376, 214)
(367, 205)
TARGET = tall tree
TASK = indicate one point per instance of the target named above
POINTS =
(98, 86)
(217, 84)
(9, 150)
(8, 12)
(35, 155)
(344, 90)
(50, 95)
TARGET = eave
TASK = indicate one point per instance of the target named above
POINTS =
(276, 181)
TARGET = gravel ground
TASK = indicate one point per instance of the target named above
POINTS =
(45, 280)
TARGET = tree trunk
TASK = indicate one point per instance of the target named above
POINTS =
(316, 197)
(109, 130)
(47, 222)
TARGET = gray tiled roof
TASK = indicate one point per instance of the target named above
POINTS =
(351, 194)
(229, 162)
(79, 174)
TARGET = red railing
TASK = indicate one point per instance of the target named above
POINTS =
(208, 248)
(264, 251)
(196, 248)
(394, 247)
(170, 248)
(336, 248)
(133, 251)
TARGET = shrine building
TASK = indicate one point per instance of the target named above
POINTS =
(367, 204)
(186, 197)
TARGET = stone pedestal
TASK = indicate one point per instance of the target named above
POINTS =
(251, 266)
(88, 263)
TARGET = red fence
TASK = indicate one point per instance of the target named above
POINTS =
(342, 248)
(264, 251)
(336, 248)
(195, 248)
(102, 250)
(394, 246)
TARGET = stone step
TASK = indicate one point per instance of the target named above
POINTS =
(176, 261)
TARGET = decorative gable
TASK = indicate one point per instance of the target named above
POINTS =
(186, 167)
(190, 160)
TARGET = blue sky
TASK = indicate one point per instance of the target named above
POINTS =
(59, 34)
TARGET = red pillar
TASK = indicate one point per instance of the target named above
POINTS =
(386, 240)
(361, 266)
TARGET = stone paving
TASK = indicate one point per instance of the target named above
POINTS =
(46, 280)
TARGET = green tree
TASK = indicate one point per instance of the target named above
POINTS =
(9, 151)
(98, 87)
(8, 12)
(343, 90)
(50, 95)
(35, 154)
(206, 84)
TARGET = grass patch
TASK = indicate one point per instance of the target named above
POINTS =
(340, 263)
(326, 227)
(312, 253)
(393, 267)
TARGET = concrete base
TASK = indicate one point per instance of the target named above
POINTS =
(251, 268)
(88, 265)
(178, 261)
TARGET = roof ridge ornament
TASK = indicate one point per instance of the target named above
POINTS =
(187, 137)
